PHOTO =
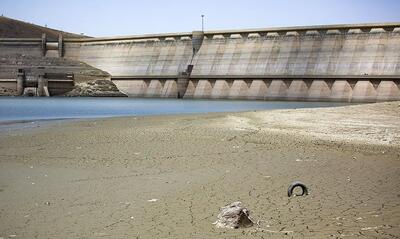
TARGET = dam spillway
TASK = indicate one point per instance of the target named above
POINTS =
(350, 63)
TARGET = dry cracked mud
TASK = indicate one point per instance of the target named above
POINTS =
(167, 176)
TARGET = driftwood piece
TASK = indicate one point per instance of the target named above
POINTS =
(233, 216)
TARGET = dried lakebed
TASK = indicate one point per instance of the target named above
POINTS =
(167, 176)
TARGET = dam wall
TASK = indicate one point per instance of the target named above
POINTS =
(357, 63)
(351, 63)
(147, 56)
(301, 53)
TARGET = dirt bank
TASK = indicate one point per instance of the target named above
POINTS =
(167, 176)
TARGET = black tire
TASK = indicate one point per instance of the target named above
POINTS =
(295, 184)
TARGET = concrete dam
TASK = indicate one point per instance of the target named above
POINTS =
(349, 63)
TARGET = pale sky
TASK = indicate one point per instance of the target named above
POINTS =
(124, 17)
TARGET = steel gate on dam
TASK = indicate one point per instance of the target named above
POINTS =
(352, 63)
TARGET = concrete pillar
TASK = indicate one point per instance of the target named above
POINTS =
(170, 89)
(364, 91)
(203, 89)
(20, 81)
(60, 46)
(220, 90)
(190, 89)
(277, 90)
(40, 88)
(258, 90)
(319, 91)
(154, 89)
(297, 90)
(341, 91)
(388, 90)
(46, 88)
(44, 42)
(238, 90)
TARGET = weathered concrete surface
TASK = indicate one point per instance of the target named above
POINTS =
(257, 90)
(325, 60)
(344, 54)
(318, 90)
(387, 90)
(135, 88)
(220, 89)
(170, 89)
(277, 89)
(202, 90)
(238, 90)
(134, 57)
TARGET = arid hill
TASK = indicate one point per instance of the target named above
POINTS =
(11, 28)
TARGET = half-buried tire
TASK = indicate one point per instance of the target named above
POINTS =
(296, 184)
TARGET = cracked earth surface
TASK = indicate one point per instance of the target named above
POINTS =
(167, 176)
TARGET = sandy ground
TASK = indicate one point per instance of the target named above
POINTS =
(167, 176)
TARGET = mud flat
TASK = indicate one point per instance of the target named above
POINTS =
(167, 176)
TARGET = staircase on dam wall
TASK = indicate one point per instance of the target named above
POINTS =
(351, 63)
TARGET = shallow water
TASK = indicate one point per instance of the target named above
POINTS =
(14, 109)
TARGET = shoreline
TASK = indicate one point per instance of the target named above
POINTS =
(45, 111)
(249, 115)
(167, 176)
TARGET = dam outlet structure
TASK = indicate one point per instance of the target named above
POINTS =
(343, 63)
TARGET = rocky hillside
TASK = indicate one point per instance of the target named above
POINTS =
(11, 28)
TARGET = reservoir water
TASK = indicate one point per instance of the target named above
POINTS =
(20, 109)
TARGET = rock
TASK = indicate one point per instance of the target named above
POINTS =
(99, 88)
(233, 216)
(7, 92)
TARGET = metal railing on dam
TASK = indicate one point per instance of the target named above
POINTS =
(359, 62)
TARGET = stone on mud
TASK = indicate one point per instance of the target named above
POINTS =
(234, 216)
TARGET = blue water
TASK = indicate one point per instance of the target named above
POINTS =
(29, 109)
